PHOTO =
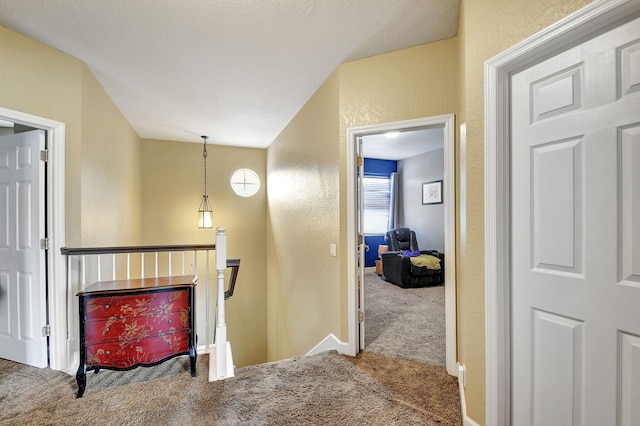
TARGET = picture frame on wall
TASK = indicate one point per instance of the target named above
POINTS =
(432, 192)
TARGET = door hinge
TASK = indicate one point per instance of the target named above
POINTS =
(359, 162)
(360, 239)
(44, 155)
(44, 244)
(360, 316)
(46, 331)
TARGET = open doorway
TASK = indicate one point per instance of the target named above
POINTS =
(442, 125)
(404, 322)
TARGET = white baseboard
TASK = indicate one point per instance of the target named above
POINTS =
(466, 420)
(203, 349)
(330, 343)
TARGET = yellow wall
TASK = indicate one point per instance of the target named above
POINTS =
(101, 194)
(41, 81)
(411, 83)
(303, 220)
(110, 169)
(307, 184)
(172, 187)
(107, 201)
(107, 198)
(432, 79)
(486, 29)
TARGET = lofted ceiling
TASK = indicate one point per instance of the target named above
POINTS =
(235, 70)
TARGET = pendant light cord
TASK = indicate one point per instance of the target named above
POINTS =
(204, 156)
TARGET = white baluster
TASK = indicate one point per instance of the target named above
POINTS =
(221, 358)
(99, 268)
(83, 284)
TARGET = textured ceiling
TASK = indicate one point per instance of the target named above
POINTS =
(236, 70)
(407, 144)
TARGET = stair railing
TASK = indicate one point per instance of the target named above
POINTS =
(87, 265)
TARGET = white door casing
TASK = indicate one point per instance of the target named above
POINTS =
(558, 336)
(361, 243)
(22, 261)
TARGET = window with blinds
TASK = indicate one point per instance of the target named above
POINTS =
(376, 205)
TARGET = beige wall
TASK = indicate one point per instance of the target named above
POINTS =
(104, 186)
(486, 29)
(101, 197)
(172, 187)
(432, 79)
(110, 169)
(303, 220)
(106, 197)
(41, 81)
(411, 83)
(307, 184)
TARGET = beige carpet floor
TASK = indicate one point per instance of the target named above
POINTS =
(404, 323)
(398, 380)
(324, 389)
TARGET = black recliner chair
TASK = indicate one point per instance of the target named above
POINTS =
(397, 267)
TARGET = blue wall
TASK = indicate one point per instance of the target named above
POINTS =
(373, 241)
(376, 167)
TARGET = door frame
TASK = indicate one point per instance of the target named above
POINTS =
(55, 222)
(564, 34)
(447, 121)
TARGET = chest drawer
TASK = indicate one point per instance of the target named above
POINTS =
(122, 327)
(156, 303)
(125, 353)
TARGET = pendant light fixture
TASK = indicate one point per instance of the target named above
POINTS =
(205, 212)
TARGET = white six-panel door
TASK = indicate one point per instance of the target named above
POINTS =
(22, 289)
(576, 235)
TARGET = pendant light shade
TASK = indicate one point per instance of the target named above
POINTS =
(205, 212)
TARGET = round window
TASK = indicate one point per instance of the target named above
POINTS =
(245, 182)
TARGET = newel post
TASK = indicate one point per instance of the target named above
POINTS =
(220, 357)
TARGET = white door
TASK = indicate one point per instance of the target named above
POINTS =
(576, 235)
(361, 245)
(22, 280)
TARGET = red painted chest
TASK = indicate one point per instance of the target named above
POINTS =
(130, 323)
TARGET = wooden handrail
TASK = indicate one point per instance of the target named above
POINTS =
(85, 264)
(67, 251)
(234, 264)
